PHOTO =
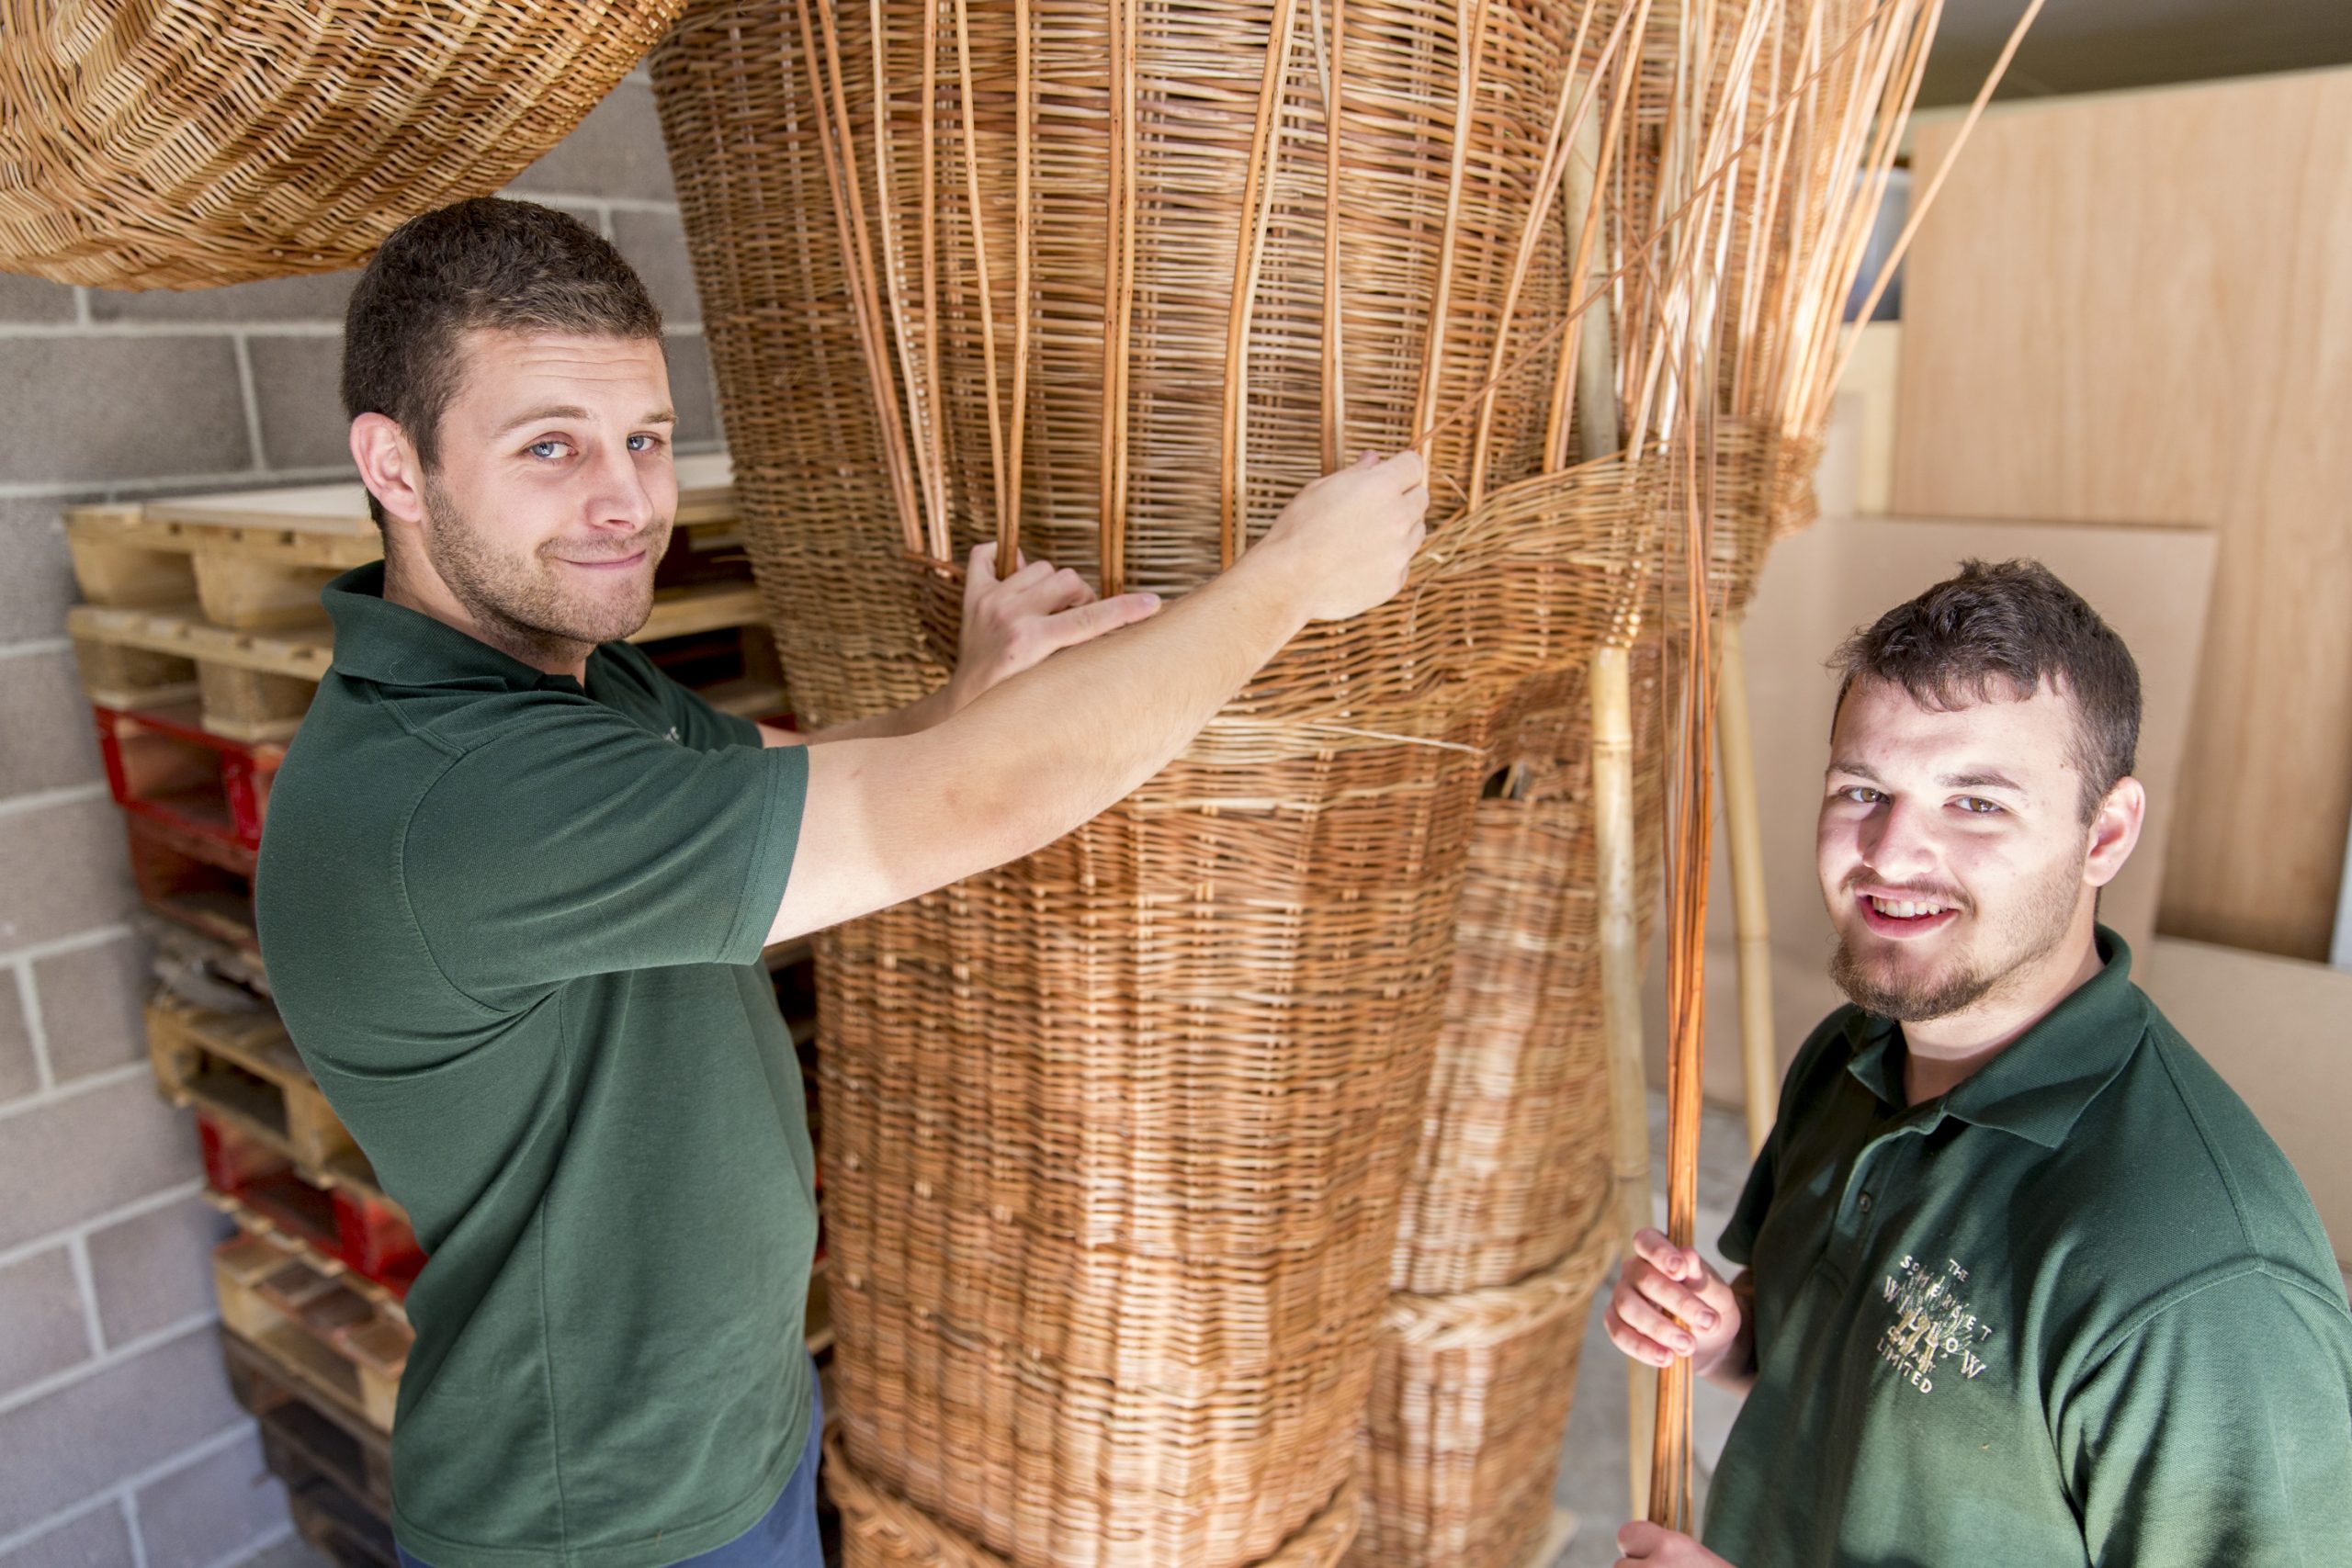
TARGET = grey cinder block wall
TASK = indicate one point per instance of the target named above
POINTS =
(121, 1444)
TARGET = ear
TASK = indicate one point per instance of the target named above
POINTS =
(2115, 830)
(388, 466)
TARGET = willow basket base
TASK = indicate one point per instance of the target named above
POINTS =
(880, 1530)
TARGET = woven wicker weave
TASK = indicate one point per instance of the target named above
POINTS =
(181, 145)
(880, 1532)
(1512, 1166)
(1115, 1135)
(1463, 1440)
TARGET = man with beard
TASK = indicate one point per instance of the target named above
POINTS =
(517, 883)
(2025, 1283)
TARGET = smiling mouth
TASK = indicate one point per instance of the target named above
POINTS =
(610, 565)
(1906, 916)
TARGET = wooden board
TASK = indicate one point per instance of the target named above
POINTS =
(2134, 309)
(2274, 1028)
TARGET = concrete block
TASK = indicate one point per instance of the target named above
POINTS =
(316, 297)
(42, 1305)
(99, 1539)
(39, 583)
(298, 389)
(19, 1076)
(204, 1513)
(122, 1419)
(34, 299)
(71, 1161)
(655, 244)
(90, 1001)
(691, 392)
(46, 718)
(616, 152)
(64, 868)
(156, 1270)
(113, 409)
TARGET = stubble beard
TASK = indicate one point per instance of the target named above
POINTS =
(2045, 916)
(527, 605)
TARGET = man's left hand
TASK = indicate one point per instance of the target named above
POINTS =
(1011, 626)
(1644, 1542)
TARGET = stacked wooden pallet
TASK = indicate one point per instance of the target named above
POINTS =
(200, 647)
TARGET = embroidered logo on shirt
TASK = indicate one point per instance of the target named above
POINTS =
(674, 735)
(1934, 1333)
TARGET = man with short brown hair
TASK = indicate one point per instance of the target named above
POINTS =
(517, 883)
(2025, 1283)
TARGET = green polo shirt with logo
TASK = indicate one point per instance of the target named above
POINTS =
(2079, 1310)
(514, 923)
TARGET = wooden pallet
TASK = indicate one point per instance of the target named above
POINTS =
(331, 1341)
(243, 1067)
(348, 1451)
(195, 881)
(254, 685)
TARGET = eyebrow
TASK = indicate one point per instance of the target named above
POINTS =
(573, 410)
(1981, 778)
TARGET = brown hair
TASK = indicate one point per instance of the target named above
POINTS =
(2013, 624)
(488, 262)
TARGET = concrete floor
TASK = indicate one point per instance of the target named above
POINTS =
(1592, 1483)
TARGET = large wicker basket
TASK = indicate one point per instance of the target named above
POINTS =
(1512, 1163)
(1462, 1444)
(1115, 1135)
(180, 145)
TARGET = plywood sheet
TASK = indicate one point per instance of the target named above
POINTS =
(2274, 1028)
(2139, 308)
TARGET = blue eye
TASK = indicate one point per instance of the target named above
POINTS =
(649, 443)
(543, 449)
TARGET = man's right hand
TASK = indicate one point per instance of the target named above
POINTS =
(1670, 1303)
(1349, 536)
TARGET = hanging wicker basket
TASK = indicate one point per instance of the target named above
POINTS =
(196, 142)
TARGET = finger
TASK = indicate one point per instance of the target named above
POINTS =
(1674, 1300)
(1661, 1331)
(1632, 1345)
(1090, 621)
(1064, 590)
(979, 567)
(1408, 469)
(1030, 574)
(1639, 1538)
(1674, 1263)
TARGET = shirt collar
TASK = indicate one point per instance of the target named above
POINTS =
(392, 645)
(2041, 1082)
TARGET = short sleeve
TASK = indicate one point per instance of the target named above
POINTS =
(2219, 1430)
(701, 726)
(576, 843)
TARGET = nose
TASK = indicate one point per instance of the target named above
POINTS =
(1895, 840)
(618, 500)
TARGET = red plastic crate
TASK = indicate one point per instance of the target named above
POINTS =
(374, 1238)
(202, 882)
(164, 765)
(234, 1161)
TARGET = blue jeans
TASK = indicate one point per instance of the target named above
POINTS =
(787, 1537)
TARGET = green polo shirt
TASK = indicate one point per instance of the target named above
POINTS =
(514, 924)
(2077, 1311)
